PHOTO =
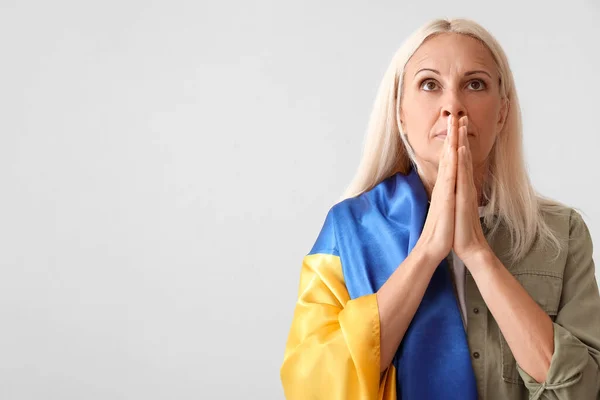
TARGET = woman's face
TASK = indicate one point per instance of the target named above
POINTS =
(451, 74)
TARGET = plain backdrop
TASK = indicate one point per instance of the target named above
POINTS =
(165, 165)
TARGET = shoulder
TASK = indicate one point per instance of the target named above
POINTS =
(346, 214)
(565, 221)
(571, 234)
(377, 197)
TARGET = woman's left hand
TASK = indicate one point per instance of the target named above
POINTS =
(469, 239)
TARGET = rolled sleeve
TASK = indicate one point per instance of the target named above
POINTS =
(574, 368)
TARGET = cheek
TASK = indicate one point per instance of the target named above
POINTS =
(421, 117)
(484, 119)
(422, 123)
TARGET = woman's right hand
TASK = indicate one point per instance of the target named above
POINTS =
(438, 232)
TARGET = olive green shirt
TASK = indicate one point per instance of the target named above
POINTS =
(565, 287)
(333, 348)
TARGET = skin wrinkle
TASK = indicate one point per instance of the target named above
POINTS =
(468, 73)
(424, 113)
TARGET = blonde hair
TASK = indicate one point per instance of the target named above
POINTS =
(511, 199)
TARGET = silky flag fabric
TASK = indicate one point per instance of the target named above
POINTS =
(372, 234)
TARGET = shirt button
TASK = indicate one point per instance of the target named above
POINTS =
(476, 310)
(476, 355)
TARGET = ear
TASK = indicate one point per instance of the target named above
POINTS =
(503, 114)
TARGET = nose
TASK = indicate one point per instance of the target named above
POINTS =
(453, 106)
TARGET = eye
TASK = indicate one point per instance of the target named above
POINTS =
(428, 85)
(477, 85)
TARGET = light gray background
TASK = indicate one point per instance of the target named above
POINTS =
(165, 166)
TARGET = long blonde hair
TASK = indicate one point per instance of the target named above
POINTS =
(511, 199)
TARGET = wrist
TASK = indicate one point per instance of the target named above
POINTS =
(426, 254)
(479, 258)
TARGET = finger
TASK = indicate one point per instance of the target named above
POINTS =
(463, 125)
(468, 193)
(449, 130)
(454, 130)
(469, 162)
(452, 158)
(444, 155)
(469, 177)
(462, 136)
(441, 180)
(446, 147)
(450, 174)
(443, 161)
(462, 175)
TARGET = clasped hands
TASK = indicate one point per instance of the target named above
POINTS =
(453, 219)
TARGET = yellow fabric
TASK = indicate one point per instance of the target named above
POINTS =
(332, 351)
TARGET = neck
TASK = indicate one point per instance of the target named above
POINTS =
(428, 175)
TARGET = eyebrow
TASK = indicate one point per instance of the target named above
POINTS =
(468, 73)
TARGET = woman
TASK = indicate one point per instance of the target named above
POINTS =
(442, 274)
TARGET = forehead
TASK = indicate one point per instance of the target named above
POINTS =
(451, 51)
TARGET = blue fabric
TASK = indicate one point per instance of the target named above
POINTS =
(372, 234)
